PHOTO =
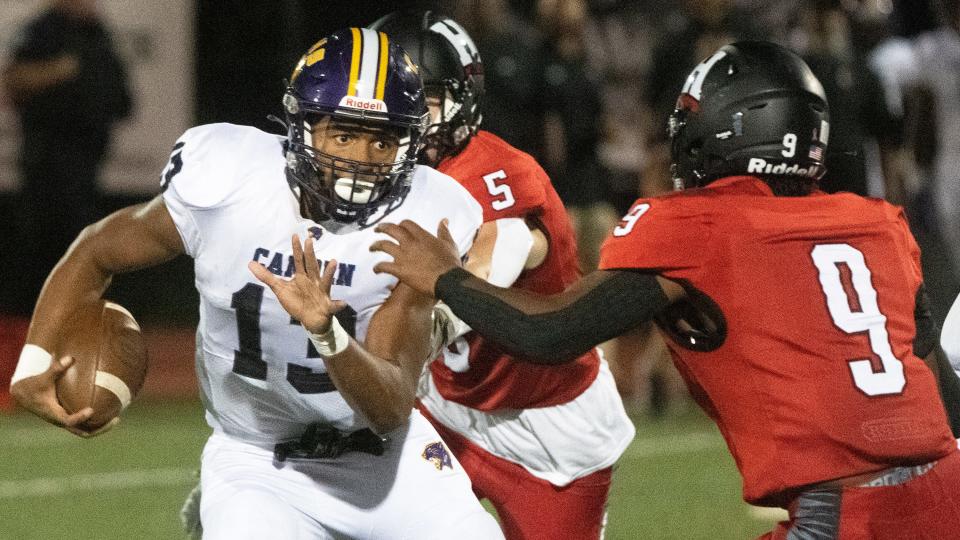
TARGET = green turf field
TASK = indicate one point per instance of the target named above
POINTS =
(675, 481)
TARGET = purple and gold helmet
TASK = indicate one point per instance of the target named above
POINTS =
(357, 76)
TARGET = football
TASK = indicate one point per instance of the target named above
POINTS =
(110, 362)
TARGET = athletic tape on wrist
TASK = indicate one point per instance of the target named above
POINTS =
(333, 341)
(33, 361)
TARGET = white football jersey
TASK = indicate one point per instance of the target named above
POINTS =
(226, 189)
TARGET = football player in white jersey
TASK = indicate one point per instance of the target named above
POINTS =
(310, 396)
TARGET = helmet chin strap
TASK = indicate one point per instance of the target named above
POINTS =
(322, 218)
(338, 227)
(679, 184)
(308, 134)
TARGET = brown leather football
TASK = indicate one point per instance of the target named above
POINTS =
(110, 362)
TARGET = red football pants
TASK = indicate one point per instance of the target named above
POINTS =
(531, 508)
(924, 508)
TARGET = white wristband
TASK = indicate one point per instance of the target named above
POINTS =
(34, 360)
(333, 341)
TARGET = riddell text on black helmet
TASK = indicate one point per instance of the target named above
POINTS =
(752, 107)
(762, 166)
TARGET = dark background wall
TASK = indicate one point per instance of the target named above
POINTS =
(243, 53)
(245, 50)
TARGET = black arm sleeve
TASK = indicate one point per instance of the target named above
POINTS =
(554, 329)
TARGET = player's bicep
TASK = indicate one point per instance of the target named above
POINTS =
(501, 251)
(478, 258)
(135, 237)
(400, 330)
(539, 248)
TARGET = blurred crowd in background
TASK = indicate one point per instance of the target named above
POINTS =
(586, 87)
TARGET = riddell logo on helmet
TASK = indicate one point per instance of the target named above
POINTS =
(760, 166)
(364, 104)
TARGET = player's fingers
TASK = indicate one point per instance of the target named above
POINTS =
(385, 268)
(413, 228)
(57, 415)
(100, 430)
(58, 368)
(337, 305)
(265, 276)
(326, 281)
(386, 246)
(393, 230)
(310, 260)
(79, 417)
(297, 256)
(443, 232)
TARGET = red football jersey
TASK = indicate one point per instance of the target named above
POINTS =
(816, 378)
(510, 184)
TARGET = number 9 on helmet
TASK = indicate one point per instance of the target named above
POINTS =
(752, 108)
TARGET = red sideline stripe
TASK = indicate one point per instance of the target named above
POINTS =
(13, 332)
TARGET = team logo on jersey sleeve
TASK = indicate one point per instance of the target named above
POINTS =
(437, 454)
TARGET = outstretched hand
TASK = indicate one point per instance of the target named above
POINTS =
(306, 296)
(419, 258)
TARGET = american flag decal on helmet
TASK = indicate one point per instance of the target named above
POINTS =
(816, 152)
(437, 454)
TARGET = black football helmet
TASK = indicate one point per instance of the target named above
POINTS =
(355, 76)
(452, 73)
(753, 108)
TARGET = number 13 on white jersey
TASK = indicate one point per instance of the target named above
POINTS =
(869, 319)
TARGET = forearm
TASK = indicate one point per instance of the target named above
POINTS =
(378, 378)
(558, 328)
(500, 252)
(129, 239)
(380, 390)
(75, 281)
(27, 78)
